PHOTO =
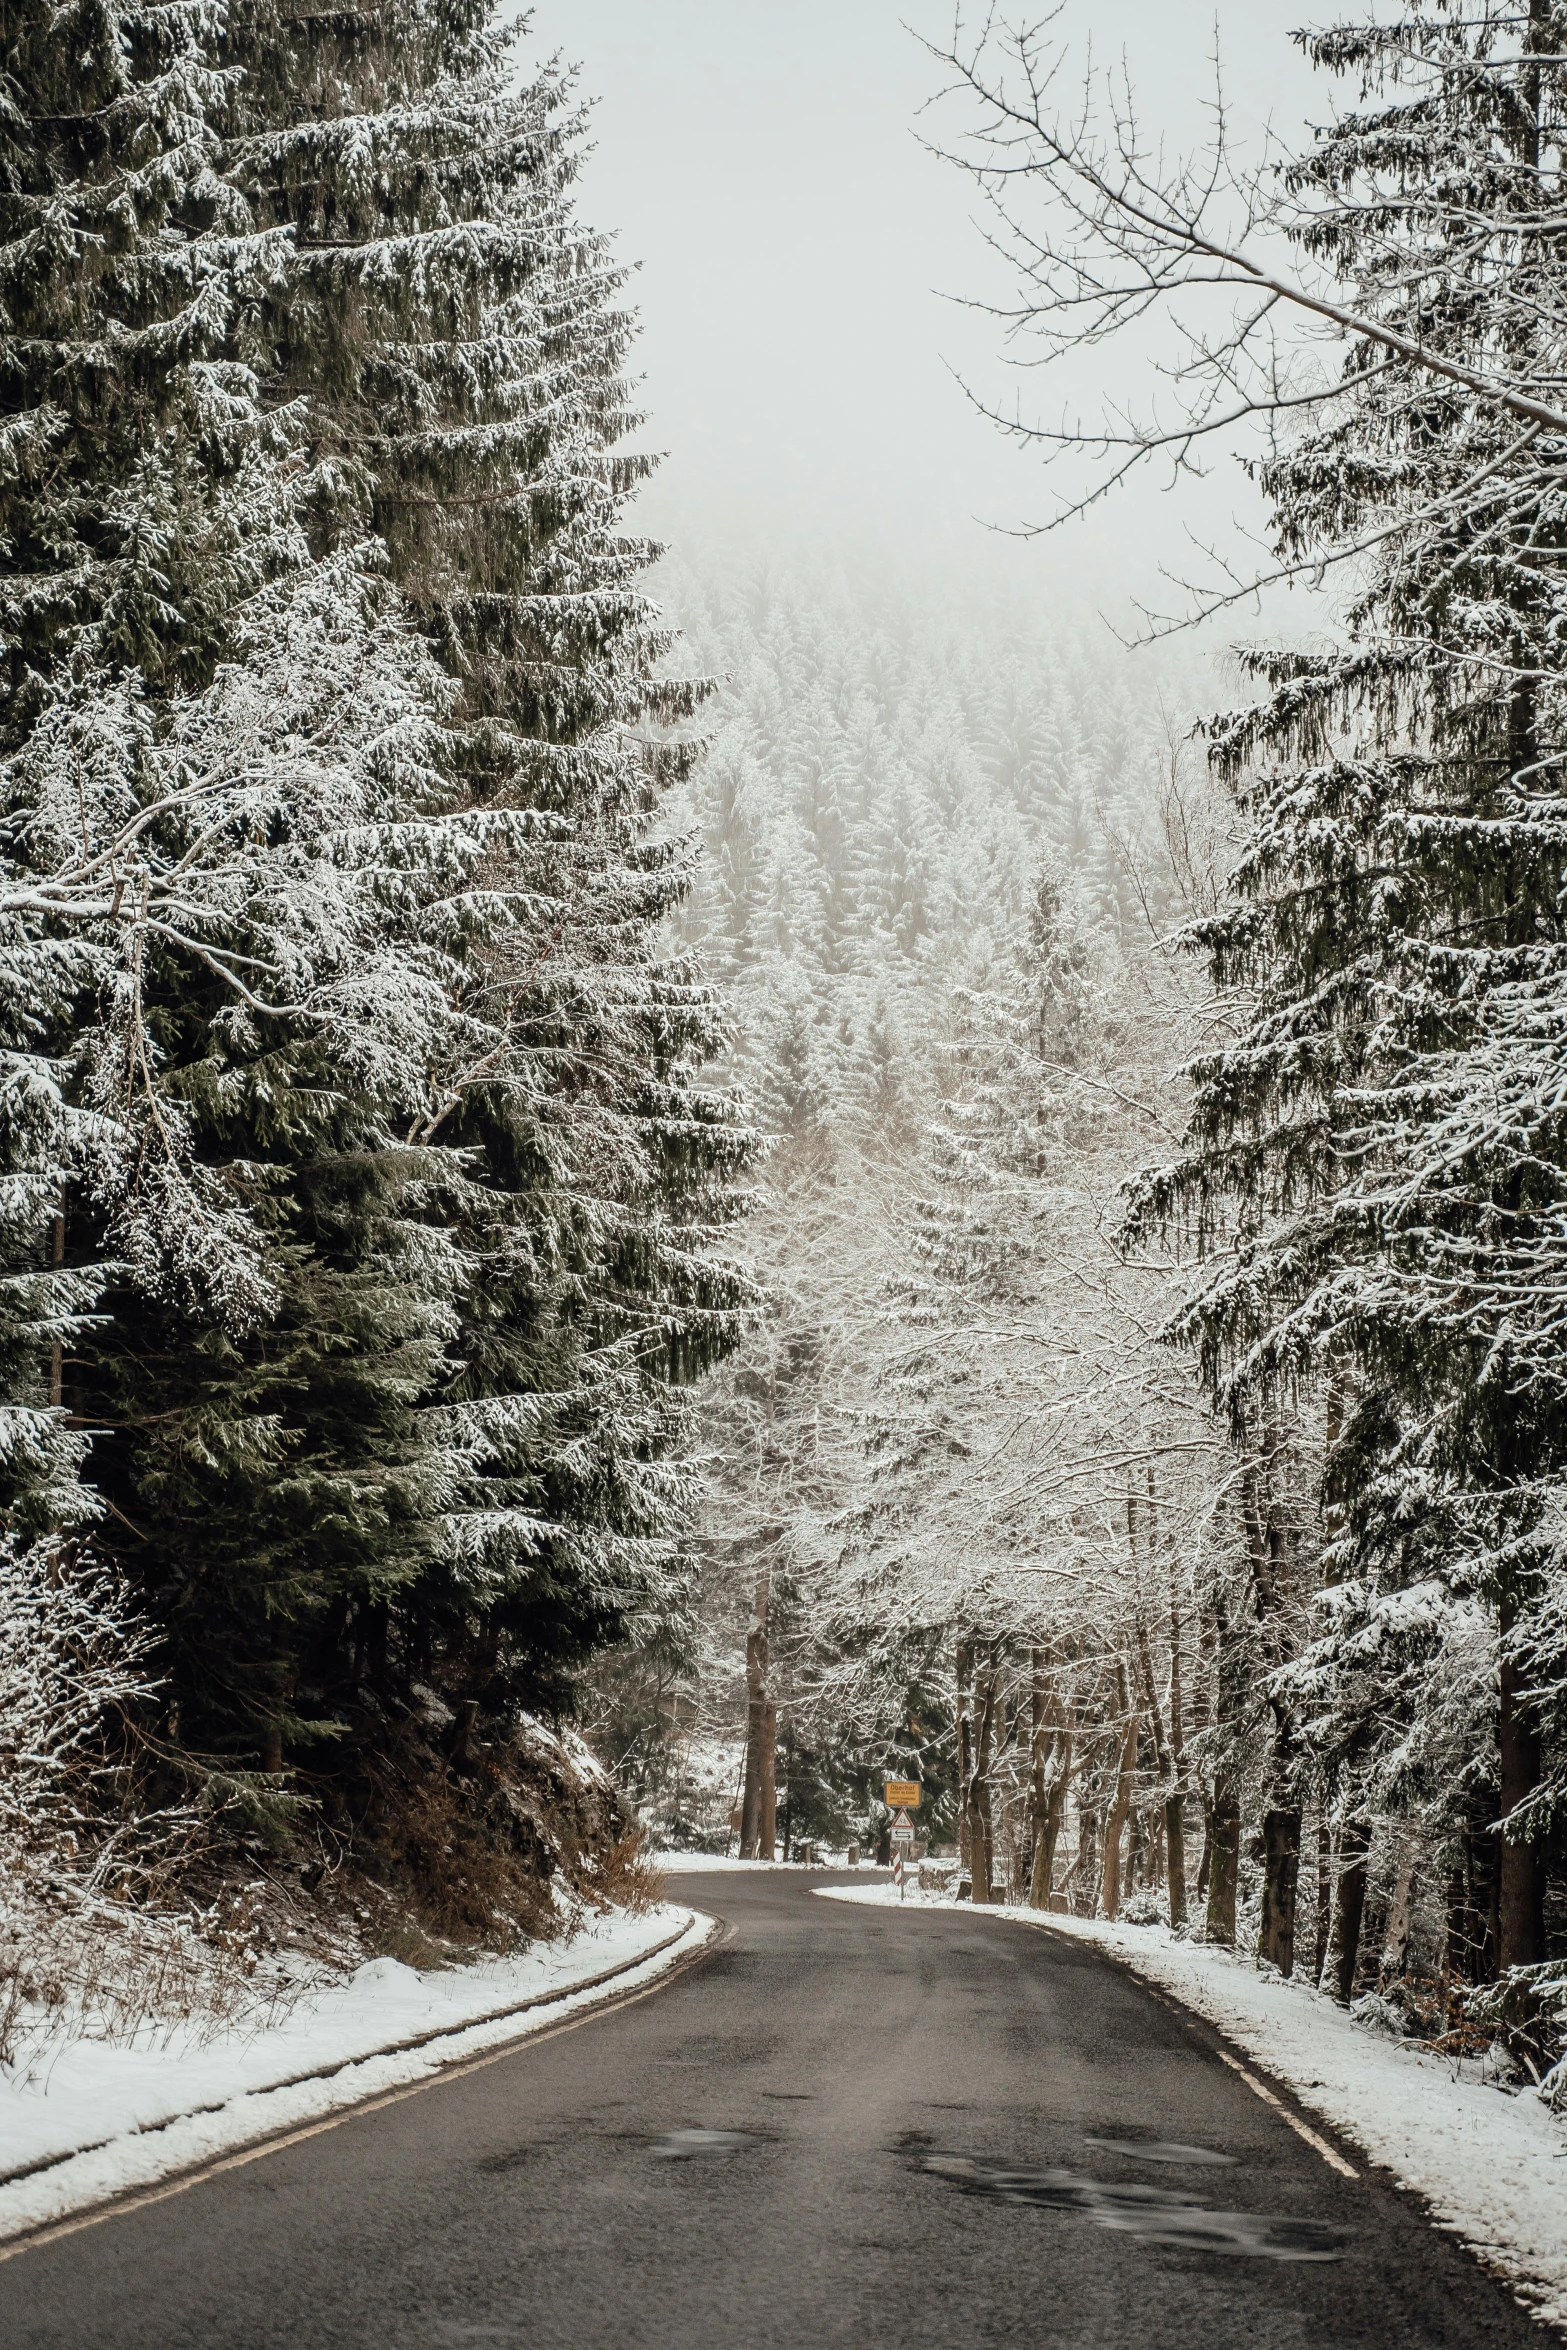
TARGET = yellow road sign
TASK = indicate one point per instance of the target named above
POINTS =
(902, 1794)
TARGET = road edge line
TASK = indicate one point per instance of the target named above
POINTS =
(1167, 1997)
(179, 2182)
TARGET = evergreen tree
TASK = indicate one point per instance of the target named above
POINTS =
(1378, 1177)
(342, 1053)
(459, 1426)
(139, 501)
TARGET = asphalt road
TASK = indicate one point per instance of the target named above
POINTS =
(847, 2127)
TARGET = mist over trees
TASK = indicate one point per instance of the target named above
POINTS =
(1157, 1429)
(944, 852)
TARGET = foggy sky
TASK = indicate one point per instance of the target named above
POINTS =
(760, 161)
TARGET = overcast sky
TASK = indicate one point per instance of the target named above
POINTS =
(759, 160)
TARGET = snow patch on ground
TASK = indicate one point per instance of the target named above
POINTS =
(105, 2117)
(1492, 2167)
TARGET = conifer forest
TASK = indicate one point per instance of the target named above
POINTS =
(645, 1187)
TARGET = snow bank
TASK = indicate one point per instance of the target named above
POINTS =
(1492, 2167)
(105, 2117)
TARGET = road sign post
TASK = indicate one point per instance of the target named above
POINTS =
(902, 1851)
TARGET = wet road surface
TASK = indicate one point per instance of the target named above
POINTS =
(846, 2126)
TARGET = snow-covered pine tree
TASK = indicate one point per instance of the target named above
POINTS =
(456, 340)
(130, 525)
(1387, 1198)
(235, 895)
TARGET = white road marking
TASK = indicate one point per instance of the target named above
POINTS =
(139, 2198)
(1334, 2161)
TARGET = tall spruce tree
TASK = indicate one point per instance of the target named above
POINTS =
(1384, 1207)
(133, 516)
(234, 889)
(458, 1431)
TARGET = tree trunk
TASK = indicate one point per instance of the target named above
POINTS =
(460, 1735)
(1472, 1952)
(1041, 1891)
(759, 1804)
(1225, 1828)
(1085, 1868)
(981, 1840)
(1174, 1826)
(768, 1839)
(1456, 1958)
(1281, 1849)
(1175, 1853)
(1223, 1865)
(1271, 1552)
(1319, 1954)
(1521, 1888)
(271, 1747)
(788, 1817)
(378, 1626)
(1052, 1764)
(1204, 1696)
(57, 1349)
(1126, 1759)
(1394, 1962)
(965, 1681)
(1175, 1801)
(1349, 1906)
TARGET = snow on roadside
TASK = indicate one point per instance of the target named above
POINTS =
(105, 2117)
(1492, 2167)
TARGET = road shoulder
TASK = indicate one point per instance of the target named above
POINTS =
(184, 2112)
(1490, 2168)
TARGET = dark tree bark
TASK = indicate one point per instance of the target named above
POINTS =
(1281, 1852)
(1175, 1853)
(1319, 1954)
(1121, 1801)
(1204, 1700)
(57, 1349)
(1349, 1906)
(378, 1624)
(981, 1841)
(1084, 1877)
(759, 1804)
(1281, 1871)
(1223, 1859)
(1165, 1761)
(1175, 1801)
(965, 1682)
(1393, 1963)
(461, 1734)
(1271, 1550)
(1225, 1827)
(1052, 1769)
(1471, 1917)
(1521, 1880)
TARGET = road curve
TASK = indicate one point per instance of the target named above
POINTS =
(846, 2126)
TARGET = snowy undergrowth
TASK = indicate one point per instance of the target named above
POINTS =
(1491, 2166)
(106, 2117)
(100, 1934)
